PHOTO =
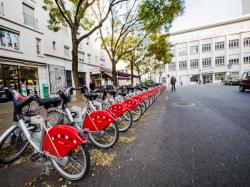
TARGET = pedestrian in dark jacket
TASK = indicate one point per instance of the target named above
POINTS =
(172, 82)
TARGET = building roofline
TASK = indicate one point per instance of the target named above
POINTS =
(220, 23)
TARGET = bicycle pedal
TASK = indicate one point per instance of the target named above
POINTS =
(36, 156)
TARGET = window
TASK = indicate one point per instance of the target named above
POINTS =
(234, 61)
(54, 45)
(9, 39)
(68, 78)
(219, 46)
(182, 65)
(194, 49)
(247, 42)
(194, 78)
(28, 13)
(234, 73)
(219, 61)
(1, 9)
(66, 50)
(194, 64)
(89, 58)
(220, 76)
(38, 46)
(182, 52)
(246, 59)
(206, 47)
(234, 43)
(96, 59)
(81, 57)
(206, 62)
(171, 66)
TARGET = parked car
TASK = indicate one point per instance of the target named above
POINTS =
(245, 82)
(232, 80)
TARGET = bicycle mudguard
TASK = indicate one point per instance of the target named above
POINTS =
(98, 120)
(131, 103)
(139, 99)
(61, 139)
(117, 109)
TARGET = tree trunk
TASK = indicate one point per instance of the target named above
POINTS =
(114, 74)
(138, 71)
(75, 65)
(139, 78)
(132, 72)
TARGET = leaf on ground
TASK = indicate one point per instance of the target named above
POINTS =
(102, 159)
(126, 139)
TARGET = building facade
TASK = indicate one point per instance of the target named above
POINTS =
(209, 53)
(245, 6)
(32, 54)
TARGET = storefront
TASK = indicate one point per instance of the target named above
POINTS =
(17, 77)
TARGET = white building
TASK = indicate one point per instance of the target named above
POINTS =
(30, 51)
(246, 6)
(209, 53)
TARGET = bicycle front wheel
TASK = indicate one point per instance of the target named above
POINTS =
(13, 144)
(75, 165)
(57, 117)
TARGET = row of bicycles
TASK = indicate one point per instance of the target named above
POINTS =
(61, 134)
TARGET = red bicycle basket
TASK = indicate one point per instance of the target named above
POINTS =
(61, 139)
(117, 109)
(98, 120)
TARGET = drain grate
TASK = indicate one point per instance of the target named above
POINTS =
(184, 103)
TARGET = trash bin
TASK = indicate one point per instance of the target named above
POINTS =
(45, 90)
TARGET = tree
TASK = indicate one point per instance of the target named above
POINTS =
(149, 18)
(77, 15)
(135, 55)
(123, 23)
(150, 55)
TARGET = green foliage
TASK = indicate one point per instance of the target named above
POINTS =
(159, 14)
(160, 48)
(62, 14)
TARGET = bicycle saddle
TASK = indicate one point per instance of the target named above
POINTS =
(123, 94)
(91, 96)
(50, 102)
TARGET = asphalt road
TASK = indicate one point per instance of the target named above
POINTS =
(196, 136)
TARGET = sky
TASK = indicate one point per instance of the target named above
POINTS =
(202, 12)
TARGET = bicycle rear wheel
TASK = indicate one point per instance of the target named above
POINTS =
(106, 138)
(75, 165)
(125, 121)
(13, 144)
(136, 113)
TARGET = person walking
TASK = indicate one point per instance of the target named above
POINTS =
(172, 82)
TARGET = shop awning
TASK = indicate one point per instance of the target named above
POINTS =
(109, 74)
(120, 74)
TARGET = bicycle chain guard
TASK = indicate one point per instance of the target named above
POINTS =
(98, 120)
(61, 139)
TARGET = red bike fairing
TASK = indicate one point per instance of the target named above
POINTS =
(61, 139)
(98, 120)
(117, 109)
(131, 103)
